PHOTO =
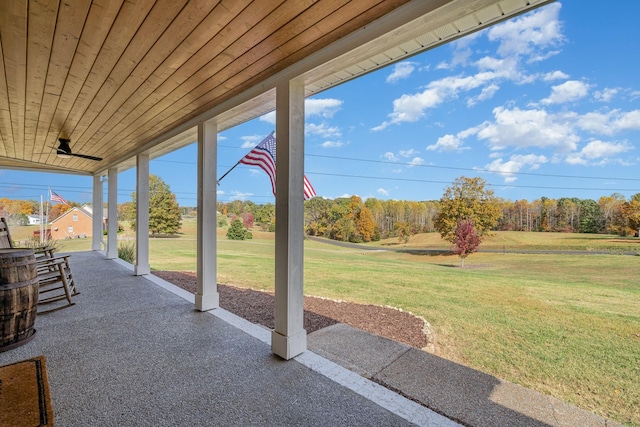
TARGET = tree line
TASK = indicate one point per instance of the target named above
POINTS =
(354, 220)
(612, 214)
(17, 212)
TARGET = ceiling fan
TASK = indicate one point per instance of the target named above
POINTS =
(64, 151)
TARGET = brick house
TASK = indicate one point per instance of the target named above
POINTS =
(74, 223)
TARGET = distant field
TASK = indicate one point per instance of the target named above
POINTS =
(566, 325)
(510, 240)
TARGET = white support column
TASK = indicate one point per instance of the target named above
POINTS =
(96, 232)
(112, 214)
(289, 339)
(142, 215)
(207, 296)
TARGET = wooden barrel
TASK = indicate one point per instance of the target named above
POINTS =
(18, 297)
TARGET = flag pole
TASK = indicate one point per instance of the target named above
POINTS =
(46, 215)
(227, 172)
(41, 219)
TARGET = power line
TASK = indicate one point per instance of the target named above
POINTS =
(471, 169)
(449, 167)
(127, 192)
(447, 182)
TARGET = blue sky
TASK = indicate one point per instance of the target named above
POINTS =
(546, 104)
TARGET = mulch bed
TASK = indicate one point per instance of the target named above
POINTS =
(258, 307)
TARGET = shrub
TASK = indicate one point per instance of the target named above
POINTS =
(236, 231)
(34, 243)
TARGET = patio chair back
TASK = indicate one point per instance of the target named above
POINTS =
(54, 272)
(5, 236)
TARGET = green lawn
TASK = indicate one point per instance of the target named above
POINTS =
(566, 325)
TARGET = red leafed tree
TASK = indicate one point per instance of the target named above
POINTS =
(466, 240)
(247, 220)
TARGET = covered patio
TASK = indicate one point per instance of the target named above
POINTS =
(133, 351)
(126, 82)
(122, 83)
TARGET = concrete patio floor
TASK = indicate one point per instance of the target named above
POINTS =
(133, 351)
(130, 353)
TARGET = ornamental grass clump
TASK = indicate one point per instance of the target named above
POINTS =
(127, 252)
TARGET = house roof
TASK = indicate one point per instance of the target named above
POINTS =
(74, 209)
(119, 78)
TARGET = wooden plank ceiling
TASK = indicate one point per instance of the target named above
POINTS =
(114, 75)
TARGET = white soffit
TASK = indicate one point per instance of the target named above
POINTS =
(447, 23)
(441, 25)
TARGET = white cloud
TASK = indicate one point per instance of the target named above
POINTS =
(401, 70)
(559, 132)
(598, 149)
(461, 52)
(487, 93)
(609, 122)
(269, 118)
(331, 144)
(502, 67)
(380, 127)
(555, 75)
(599, 152)
(626, 121)
(515, 164)
(325, 107)
(443, 66)
(606, 95)
(529, 34)
(527, 128)
(323, 130)
(448, 143)
(390, 156)
(383, 191)
(410, 108)
(238, 195)
(416, 161)
(568, 91)
(250, 141)
(408, 153)
(461, 56)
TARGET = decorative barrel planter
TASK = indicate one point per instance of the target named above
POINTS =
(18, 297)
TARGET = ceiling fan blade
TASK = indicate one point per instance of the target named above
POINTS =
(64, 150)
(48, 152)
(85, 156)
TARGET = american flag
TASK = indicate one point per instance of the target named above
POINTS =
(263, 155)
(55, 198)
